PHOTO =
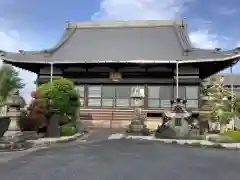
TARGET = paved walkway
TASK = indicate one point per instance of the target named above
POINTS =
(125, 160)
(101, 134)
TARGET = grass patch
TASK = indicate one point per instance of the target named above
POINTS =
(160, 136)
(234, 135)
(67, 130)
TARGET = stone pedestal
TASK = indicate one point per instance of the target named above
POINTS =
(176, 121)
(14, 104)
(137, 125)
(53, 129)
(13, 114)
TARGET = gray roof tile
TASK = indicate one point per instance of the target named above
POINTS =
(120, 41)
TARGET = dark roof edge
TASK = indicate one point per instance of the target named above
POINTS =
(235, 58)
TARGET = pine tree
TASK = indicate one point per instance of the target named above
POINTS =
(217, 103)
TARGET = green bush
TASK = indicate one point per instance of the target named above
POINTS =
(235, 135)
(67, 130)
(65, 99)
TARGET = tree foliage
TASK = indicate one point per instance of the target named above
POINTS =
(65, 99)
(9, 82)
(216, 102)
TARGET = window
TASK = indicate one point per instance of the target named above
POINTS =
(165, 92)
(108, 92)
(159, 96)
(153, 92)
(153, 96)
(181, 92)
(94, 91)
(122, 96)
(153, 103)
(122, 92)
(165, 103)
(165, 96)
(94, 102)
(108, 96)
(122, 102)
(192, 92)
(192, 96)
(192, 103)
(111, 96)
(94, 95)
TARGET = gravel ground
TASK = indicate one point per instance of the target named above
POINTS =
(123, 160)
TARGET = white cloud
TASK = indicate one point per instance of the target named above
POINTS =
(226, 11)
(12, 41)
(204, 39)
(153, 10)
(140, 9)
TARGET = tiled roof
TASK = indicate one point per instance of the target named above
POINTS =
(121, 41)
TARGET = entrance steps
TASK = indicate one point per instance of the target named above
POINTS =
(114, 118)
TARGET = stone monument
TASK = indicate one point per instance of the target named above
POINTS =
(53, 116)
(14, 103)
(13, 138)
(137, 124)
(176, 121)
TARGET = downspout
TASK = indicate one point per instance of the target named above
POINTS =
(51, 72)
(177, 82)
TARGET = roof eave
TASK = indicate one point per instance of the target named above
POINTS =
(48, 61)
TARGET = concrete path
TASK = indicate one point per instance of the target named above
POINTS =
(101, 134)
(124, 159)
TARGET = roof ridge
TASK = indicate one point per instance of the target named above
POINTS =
(135, 23)
(180, 34)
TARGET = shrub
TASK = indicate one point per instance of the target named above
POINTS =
(67, 130)
(35, 117)
(65, 99)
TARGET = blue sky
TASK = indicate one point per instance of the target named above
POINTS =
(38, 24)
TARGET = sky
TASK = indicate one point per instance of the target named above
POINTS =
(39, 24)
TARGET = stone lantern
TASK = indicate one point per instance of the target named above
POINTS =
(176, 120)
(14, 103)
(137, 123)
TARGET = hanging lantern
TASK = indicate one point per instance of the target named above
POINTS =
(115, 76)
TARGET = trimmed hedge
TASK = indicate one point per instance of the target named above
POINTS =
(68, 130)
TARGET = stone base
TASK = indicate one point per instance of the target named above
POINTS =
(16, 140)
(18, 136)
(14, 146)
(138, 129)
